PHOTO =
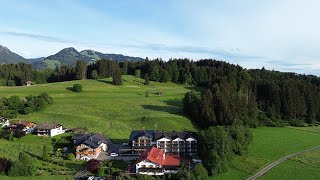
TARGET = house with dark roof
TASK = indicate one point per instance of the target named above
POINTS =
(179, 143)
(89, 146)
(156, 162)
(48, 129)
(4, 122)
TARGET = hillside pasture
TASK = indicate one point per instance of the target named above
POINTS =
(270, 144)
(111, 110)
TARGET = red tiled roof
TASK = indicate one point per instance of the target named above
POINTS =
(159, 157)
(25, 123)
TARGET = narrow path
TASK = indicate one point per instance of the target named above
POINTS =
(275, 163)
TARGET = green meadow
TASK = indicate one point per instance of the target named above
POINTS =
(270, 144)
(306, 166)
(111, 110)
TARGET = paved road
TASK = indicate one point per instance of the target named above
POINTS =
(275, 163)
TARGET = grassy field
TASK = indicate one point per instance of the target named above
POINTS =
(270, 144)
(111, 110)
(306, 166)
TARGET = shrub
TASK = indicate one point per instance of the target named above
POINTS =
(77, 88)
(94, 74)
(71, 157)
(24, 166)
(93, 165)
(11, 83)
(101, 171)
(5, 165)
(45, 154)
(27, 110)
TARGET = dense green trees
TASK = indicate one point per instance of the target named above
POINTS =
(216, 149)
(11, 107)
(24, 166)
(15, 74)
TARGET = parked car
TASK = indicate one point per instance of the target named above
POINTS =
(114, 154)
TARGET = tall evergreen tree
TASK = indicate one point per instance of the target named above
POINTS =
(116, 77)
(81, 69)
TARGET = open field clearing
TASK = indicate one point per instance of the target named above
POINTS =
(111, 110)
(270, 144)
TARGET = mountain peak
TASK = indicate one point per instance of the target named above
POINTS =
(7, 57)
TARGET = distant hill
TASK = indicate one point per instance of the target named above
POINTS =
(67, 56)
(94, 55)
(9, 57)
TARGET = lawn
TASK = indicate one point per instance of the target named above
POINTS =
(270, 144)
(111, 110)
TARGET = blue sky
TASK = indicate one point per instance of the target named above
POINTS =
(277, 34)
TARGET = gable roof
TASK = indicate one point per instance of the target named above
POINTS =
(138, 133)
(173, 135)
(92, 140)
(25, 123)
(46, 126)
(157, 156)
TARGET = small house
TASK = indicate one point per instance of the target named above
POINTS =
(47, 129)
(28, 83)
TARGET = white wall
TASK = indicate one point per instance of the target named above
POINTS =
(56, 131)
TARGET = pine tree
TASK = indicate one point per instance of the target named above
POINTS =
(116, 77)
(146, 79)
(81, 69)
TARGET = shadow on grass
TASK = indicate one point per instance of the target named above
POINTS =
(174, 106)
(197, 89)
(33, 155)
(105, 81)
(69, 88)
(169, 109)
(74, 165)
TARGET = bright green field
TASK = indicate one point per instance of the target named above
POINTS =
(108, 109)
(270, 144)
(306, 166)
